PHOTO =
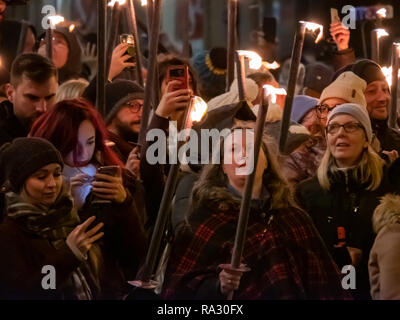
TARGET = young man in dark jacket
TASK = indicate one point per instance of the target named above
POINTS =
(30, 93)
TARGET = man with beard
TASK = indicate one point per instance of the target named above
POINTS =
(31, 92)
(378, 98)
(124, 105)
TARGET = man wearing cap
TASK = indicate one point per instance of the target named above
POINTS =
(124, 113)
(378, 99)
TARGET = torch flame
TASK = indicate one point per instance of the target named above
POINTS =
(72, 27)
(144, 3)
(273, 92)
(55, 20)
(387, 72)
(381, 13)
(199, 109)
(381, 33)
(255, 61)
(311, 26)
(120, 2)
(274, 65)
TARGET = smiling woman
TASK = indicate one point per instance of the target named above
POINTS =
(349, 183)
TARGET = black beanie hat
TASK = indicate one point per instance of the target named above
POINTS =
(118, 93)
(366, 69)
(23, 157)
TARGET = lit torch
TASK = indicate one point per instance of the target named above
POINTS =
(394, 83)
(315, 28)
(271, 66)
(255, 62)
(116, 13)
(302, 27)
(381, 13)
(194, 113)
(232, 41)
(273, 92)
(53, 20)
(376, 34)
(199, 109)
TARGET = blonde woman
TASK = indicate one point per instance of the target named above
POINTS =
(71, 89)
(342, 197)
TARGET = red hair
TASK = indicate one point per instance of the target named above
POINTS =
(61, 124)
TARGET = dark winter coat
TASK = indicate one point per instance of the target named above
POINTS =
(389, 138)
(10, 126)
(24, 254)
(285, 253)
(348, 206)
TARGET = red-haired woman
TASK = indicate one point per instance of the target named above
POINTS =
(76, 129)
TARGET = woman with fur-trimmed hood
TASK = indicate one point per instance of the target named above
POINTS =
(384, 258)
(283, 249)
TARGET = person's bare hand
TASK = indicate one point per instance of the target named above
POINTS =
(356, 255)
(392, 155)
(133, 162)
(78, 181)
(173, 101)
(340, 34)
(82, 239)
(109, 188)
(229, 280)
(118, 61)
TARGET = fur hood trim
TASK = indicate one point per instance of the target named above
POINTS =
(387, 212)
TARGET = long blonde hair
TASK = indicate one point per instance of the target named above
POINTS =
(370, 169)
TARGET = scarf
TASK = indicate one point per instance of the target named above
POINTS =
(53, 223)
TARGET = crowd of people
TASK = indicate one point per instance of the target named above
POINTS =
(79, 193)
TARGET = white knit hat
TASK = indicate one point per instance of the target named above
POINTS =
(349, 87)
(233, 95)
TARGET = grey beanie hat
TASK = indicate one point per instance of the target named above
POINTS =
(358, 112)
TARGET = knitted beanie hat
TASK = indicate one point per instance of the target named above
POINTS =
(118, 93)
(366, 69)
(301, 106)
(348, 86)
(232, 96)
(211, 71)
(318, 76)
(356, 111)
(23, 157)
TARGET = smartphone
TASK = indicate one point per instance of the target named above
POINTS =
(178, 73)
(110, 170)
(128, 38)
(334, 15)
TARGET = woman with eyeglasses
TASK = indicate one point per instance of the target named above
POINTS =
(342, 197)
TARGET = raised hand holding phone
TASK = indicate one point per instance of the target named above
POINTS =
(339, 33)
(108, 185)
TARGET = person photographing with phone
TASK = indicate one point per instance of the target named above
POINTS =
(177, 82)
(341, 36)
(77, 131)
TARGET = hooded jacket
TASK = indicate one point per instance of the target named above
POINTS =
(283, 250)
(384, 259)
(73, 67)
